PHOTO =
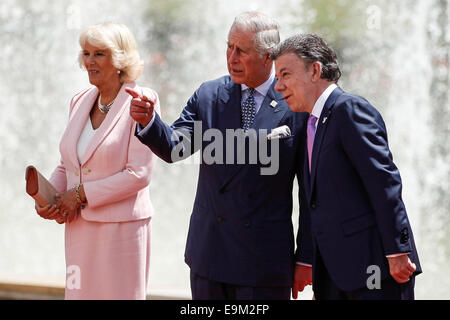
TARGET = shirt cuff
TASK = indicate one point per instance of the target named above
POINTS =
(140, 127)
(397, 255)
(304, 264)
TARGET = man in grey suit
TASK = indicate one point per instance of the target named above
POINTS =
(241, 242)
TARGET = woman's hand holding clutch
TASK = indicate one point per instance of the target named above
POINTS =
(68, 205)
(50, 212)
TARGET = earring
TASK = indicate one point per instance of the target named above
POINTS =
(118, 71)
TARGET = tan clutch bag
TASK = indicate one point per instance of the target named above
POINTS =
(39, 188)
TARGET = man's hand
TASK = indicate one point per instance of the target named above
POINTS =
(302, 278)
(401, 268)
(141, 109)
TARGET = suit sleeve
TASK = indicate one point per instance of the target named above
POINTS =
(304, 251)
(178, 141)
(58, 178)
(364, 139)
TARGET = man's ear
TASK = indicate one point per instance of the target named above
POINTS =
(267, 60)
(316, 69)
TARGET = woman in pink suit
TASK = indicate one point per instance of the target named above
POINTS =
(104, 175)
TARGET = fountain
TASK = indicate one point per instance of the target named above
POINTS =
(396, 54)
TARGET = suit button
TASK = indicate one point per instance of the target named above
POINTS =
(247, 225)
(404, 237)
(219, 219)
(250, 195)
(313, 206)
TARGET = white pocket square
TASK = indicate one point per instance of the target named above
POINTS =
(279, 133)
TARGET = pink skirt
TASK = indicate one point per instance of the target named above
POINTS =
(107, 260)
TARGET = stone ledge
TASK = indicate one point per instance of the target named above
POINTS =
(19, 291)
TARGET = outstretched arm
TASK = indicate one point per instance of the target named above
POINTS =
(170, 143)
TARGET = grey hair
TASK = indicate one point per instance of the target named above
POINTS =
(266, 29)
(311, 48)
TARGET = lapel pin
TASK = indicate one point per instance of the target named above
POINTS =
(273, 104)
(324, 120)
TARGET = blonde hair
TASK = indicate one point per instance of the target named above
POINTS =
(120, 41)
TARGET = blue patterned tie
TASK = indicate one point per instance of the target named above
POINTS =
(248, 110)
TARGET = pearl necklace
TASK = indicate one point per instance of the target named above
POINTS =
(104, 108)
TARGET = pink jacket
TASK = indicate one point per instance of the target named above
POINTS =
(116, 168)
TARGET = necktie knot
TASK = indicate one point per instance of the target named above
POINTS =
(312, 121)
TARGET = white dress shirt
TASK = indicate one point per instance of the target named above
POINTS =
(85, 137)
(260, 92)
(320, 103)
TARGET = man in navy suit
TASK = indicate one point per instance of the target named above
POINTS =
(363, 243)
(240, 243)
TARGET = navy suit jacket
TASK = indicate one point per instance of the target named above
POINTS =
(241, 229)
(354, 192)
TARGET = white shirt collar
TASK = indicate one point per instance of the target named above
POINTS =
(320, 103)
(264, 88)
